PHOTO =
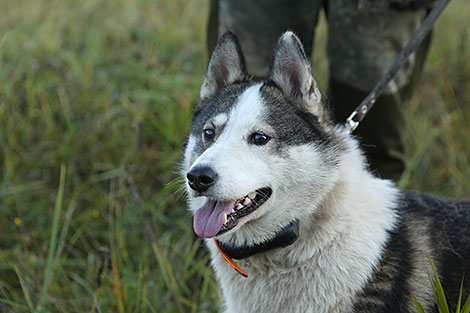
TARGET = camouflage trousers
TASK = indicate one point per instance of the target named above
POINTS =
(363, 39)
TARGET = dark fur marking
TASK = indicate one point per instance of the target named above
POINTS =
(292, 125)
(450, 230)
(389, 289)
(391, 275)
(221, 102)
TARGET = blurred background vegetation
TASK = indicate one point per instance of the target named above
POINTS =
(95, 99)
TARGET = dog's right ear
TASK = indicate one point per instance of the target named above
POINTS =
(226, 65)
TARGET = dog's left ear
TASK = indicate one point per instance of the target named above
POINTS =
(226, 65)
(291, 71)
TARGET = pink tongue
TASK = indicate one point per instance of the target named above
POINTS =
(209, 218)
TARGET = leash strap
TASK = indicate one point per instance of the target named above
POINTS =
(230, 261)
(364, 107)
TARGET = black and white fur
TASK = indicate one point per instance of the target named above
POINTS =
(363, 244)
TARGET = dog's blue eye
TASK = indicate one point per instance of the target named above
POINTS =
(259, 138)
(209, 133)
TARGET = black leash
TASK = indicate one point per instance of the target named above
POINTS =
(358, 115)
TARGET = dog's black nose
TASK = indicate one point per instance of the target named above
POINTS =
(201, 178)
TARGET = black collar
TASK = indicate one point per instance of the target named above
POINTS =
(285, 237)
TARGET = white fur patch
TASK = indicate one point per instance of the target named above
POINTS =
(219, 120)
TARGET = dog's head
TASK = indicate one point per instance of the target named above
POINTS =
(260, 154)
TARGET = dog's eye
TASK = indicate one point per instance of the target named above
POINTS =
(209, 133)
(259, 138)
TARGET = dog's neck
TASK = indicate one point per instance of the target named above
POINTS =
(285, 237)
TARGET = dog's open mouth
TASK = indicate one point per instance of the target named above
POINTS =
(217, 217)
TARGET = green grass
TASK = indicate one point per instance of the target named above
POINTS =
(95, 99)
(440, 297)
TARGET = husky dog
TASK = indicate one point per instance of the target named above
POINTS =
(281, 189)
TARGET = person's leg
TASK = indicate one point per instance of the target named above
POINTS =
(362, 45)
(259, 24)
(212, 26)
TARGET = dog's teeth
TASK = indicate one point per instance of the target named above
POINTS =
(247, 201)
(239, 206)
(233, 211)
(252, 195)
(225, 218)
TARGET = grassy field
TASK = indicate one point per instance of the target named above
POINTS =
(95, 100)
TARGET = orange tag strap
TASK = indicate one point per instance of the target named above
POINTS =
(230, 261)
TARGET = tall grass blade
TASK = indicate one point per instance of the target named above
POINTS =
(418, 305)
(457, 310)
(53, 239)
(23, 287)
(466, 306)
(439, 291)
